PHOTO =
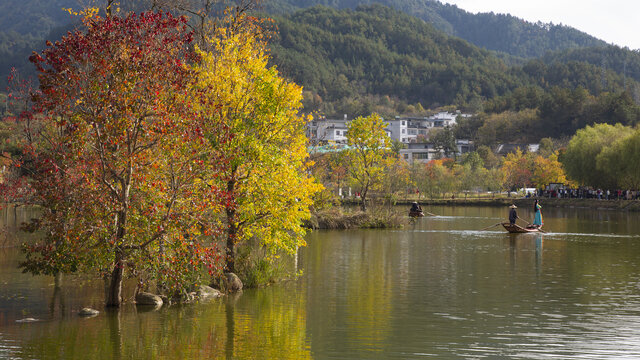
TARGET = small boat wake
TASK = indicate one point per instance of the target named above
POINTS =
(547, 234)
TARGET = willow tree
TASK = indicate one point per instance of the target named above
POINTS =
(621, 160)
(126, 150)
(579, 159)
(268, 189)
(369, 144)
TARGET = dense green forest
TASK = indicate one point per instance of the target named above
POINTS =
(499, 32)
(345, 54)
(24, 26)
(622, 61)
(359, 59)
(374, 58)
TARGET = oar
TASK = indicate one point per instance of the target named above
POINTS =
(489, 227)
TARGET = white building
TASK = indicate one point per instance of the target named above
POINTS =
(420, 152)
(328, 131)
(421, 126)
(402, 129)
(425, 152)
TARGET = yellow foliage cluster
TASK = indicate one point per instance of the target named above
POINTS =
(267, 172)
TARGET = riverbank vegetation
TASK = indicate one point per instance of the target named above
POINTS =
(477, 172)
(596, 159)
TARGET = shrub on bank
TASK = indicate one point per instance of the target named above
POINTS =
(340, 218)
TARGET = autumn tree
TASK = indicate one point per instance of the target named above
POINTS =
(435, 178)
(369, 148)
(529, 169)
(548, 170)
(268, 188)
(331, 170)
(517, 169)
(125, 150)
(396, 179)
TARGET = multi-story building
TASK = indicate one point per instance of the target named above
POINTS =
(425, 152)
(403, 129)
(323, 131)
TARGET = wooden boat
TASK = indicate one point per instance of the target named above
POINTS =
(416, 213)
(514, 228)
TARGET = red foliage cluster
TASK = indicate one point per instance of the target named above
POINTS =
(115, 167)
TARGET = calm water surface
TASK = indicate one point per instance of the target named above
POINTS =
(439, 288)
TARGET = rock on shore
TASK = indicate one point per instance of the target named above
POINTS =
(87, 312)
(145, 298)
(205, 292)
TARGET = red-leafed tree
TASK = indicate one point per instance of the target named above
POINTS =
(119, 171)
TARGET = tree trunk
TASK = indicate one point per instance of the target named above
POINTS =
(363, 198)
(114, 291)
(232, 234)
(232, 230)
(363, 203)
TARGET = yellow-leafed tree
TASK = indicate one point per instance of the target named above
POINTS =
(368, 154)
(268, 189)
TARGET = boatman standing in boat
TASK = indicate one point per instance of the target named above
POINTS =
(513, 215)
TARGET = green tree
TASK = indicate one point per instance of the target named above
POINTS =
(621, 160)
(489, 158)
(579, 159)
(445, 140)
(369, 144)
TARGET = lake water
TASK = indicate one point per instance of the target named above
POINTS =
(439, 289)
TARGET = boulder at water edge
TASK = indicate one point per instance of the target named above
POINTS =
(205, 292)
(27, 320)
(87, 312)
(232, 282)
(145, 298)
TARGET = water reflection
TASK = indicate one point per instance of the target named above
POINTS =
(439, 288)
(57, 297)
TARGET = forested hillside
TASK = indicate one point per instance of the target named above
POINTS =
(343, 56)
(499, 32)
(24, 25)
(378, 59)
(623, 61)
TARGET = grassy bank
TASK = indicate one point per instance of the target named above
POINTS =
(350, 218)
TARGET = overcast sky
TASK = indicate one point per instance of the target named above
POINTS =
(614, 21)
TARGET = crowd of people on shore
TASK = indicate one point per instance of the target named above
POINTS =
(587, 193)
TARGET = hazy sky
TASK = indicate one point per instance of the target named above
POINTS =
(614, 21)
